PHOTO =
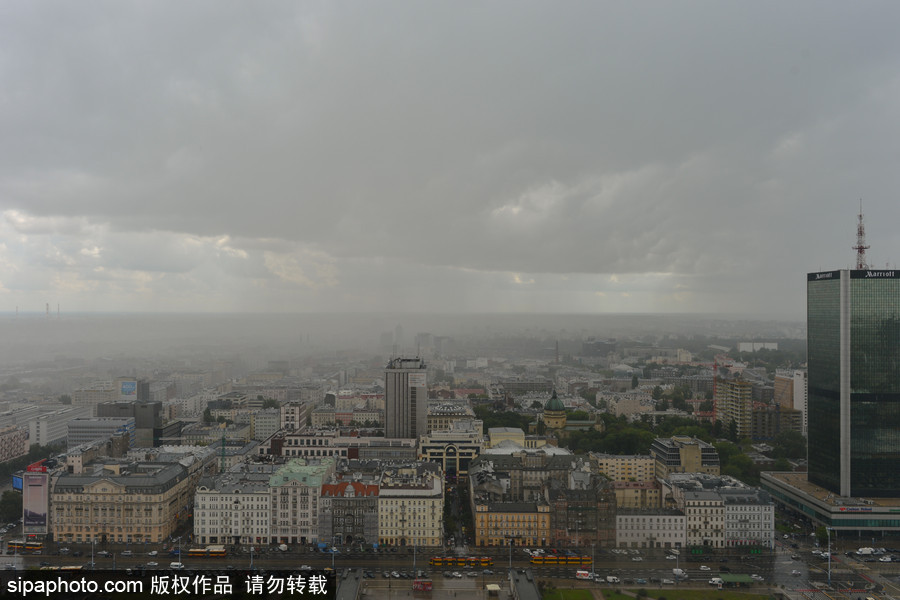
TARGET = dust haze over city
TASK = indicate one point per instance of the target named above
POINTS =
(203, 197)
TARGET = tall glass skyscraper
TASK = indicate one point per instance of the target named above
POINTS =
(853, 343)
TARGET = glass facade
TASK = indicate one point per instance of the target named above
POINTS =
(875, 385)
(823, 309)
(874, 346)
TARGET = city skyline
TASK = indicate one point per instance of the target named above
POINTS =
(510, 158)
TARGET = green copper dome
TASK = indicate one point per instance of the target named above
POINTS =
(554, 403)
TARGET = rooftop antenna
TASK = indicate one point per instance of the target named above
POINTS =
(861, 246)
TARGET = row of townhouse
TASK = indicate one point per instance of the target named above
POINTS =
(306, 501)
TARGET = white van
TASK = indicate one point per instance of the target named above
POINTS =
(716, 581)
(612, 579)
(176, 565)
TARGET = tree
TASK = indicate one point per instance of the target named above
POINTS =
(270, 403)
(821, 535)
(789, 444)
(657, 392)
(10, 506)
(732, 431)
(634, 381)
(207, 416)
(537, 405)
(782, 464)
(706, 406)
(65, 399)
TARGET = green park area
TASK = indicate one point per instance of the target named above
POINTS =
(680, 594)
(568, 595)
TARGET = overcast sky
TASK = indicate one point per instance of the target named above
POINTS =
(443, 157)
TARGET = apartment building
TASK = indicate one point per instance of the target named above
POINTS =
(650, 528)
(625, 467)
(411, 505)
(234, 508)
(294, 493)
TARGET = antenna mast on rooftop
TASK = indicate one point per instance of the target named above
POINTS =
(861, 246)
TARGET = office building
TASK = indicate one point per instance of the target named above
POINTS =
(853, 325)
(406, 398)
(121, 502)
(682, 454)
(454, 448)
(91, 429)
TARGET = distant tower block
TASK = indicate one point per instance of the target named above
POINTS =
(48, 309)
(861, 246)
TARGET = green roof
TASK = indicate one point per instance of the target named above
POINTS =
(554, 403)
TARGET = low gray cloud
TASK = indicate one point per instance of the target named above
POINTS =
(685, 157)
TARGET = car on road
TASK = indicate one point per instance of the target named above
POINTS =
(487, 572)
(670, 557)
(457, 574)
(385, 574)
(636, 558)
(795, 556)
(668, 582)
(640, 581)
(395, 574)
(757, 577)
(103, 553)
(705, 568)
(152, 564)
(795, 573)
(472, 574)
(127, 553)
(152, 553)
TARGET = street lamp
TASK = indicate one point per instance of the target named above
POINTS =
(828, 533)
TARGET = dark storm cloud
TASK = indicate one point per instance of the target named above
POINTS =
(508, 156)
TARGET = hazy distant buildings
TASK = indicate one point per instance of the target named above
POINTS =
(406, 398)
(853, 324)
